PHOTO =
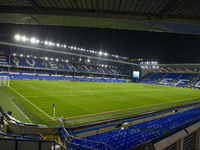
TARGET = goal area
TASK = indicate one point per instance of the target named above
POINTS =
(4, 81)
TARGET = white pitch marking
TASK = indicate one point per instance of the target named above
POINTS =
(28, 85)
(21, 112)
(32, 104)
(129, 108)
(55, 95)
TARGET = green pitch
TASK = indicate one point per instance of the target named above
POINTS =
(80, 102)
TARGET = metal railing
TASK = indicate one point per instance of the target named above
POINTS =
(25, 138)
(67, 138)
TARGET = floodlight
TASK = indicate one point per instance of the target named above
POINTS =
(116, 56)
(14, 54)
(21, 55)
(17, 37)
(66, 60)
(37, 41)
(46, 42)
(51, 58)
(75, 48)
(58, 45)
(78, 48)
(100, 53)
(80, 59)
(106, 54)
(28, 56)
(106, 66)
(88, 60)
(33, 40)
(71, 47)
(50, 43)
(56, 59)
(35, 57)
(64, 46)
(53, 44)
(24, 38)
(46, 58)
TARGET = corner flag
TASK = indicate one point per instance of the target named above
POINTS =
(54, 110)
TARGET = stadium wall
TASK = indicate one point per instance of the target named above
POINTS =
(188, 138)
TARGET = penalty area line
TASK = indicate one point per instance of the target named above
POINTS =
(21, 112)
(32, 103)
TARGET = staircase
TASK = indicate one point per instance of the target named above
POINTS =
(38, 77)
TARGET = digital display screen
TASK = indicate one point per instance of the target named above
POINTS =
(136, 74)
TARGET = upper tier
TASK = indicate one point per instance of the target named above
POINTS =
(56, 65)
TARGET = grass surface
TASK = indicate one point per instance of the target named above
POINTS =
(80, 102)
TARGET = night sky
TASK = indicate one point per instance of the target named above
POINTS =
(150, 46)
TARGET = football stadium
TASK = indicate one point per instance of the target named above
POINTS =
(99, 75)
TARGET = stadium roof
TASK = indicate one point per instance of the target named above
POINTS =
(182, 16)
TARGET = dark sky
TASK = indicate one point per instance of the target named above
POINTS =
(151, 46)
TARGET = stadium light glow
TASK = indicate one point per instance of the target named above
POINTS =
(51, 58)
(80, 59)
(46, 42)
(46, 58)
(56, 59)
(64, 46)
(28, 56)
(50, 43)
(66, 60)
(58, 45)
(14, 54)
(35, 57)
(21, 55)
(33, 40)
(17, 37)
(88, 60)
(24, 38)
(106, 54)
(100, 53)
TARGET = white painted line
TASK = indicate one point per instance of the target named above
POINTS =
(28, 85)
(21, 112)
(129, 109)
(54, 95)
(32, 104)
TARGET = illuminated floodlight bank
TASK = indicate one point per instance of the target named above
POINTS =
(24, 38)
(17, 37)
(34, 40)
(46, 42)
(100, 53)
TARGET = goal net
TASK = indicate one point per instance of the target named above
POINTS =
(4, 81)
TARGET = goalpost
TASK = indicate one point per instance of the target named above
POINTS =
(4, 81)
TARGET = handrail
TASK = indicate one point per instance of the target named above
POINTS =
(69, 136)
